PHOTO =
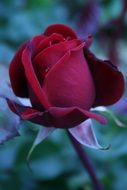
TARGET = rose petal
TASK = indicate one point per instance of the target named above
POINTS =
(18, 108)
(69, 82)
(71, 117)
(60, 29)
(40, 61)
(30, 114)
(108, 80)
(47, 58)
(84, 134)
(60, 47)
(54, 116)
(45, 42)
(38, 39)
(17, 74)
(31, 77)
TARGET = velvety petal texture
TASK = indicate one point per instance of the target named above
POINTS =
(31, 76)
(64, 76)
(17, 74)
(109, 82)
(60, 29)
(30, 114)
(54, 116)
(63, 81)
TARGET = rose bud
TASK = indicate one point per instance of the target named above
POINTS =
(63, 80)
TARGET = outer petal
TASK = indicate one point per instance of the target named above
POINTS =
(16, 70)
(32, 79)
(109, 82)
(54, 116)
(69, 82)
(30, 114)
(17, 74)
(71, 117)
(60, 29)
(84, 134)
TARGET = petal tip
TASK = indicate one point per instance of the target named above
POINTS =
(61, 29)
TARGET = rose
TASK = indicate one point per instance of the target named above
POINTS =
(62, 79)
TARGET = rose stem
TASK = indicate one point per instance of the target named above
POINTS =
(86, 162)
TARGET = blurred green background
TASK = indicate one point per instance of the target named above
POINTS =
(54, 162)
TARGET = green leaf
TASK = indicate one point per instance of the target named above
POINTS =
(42, 134)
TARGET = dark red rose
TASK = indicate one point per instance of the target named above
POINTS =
(62, 79)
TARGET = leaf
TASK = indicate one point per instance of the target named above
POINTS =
(112, 115)
(9, 122)
(6, 135)
(42, 134)
(9, 125)
(84, 134)
(120, 107)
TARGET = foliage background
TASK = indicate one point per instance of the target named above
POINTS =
(54, 163)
